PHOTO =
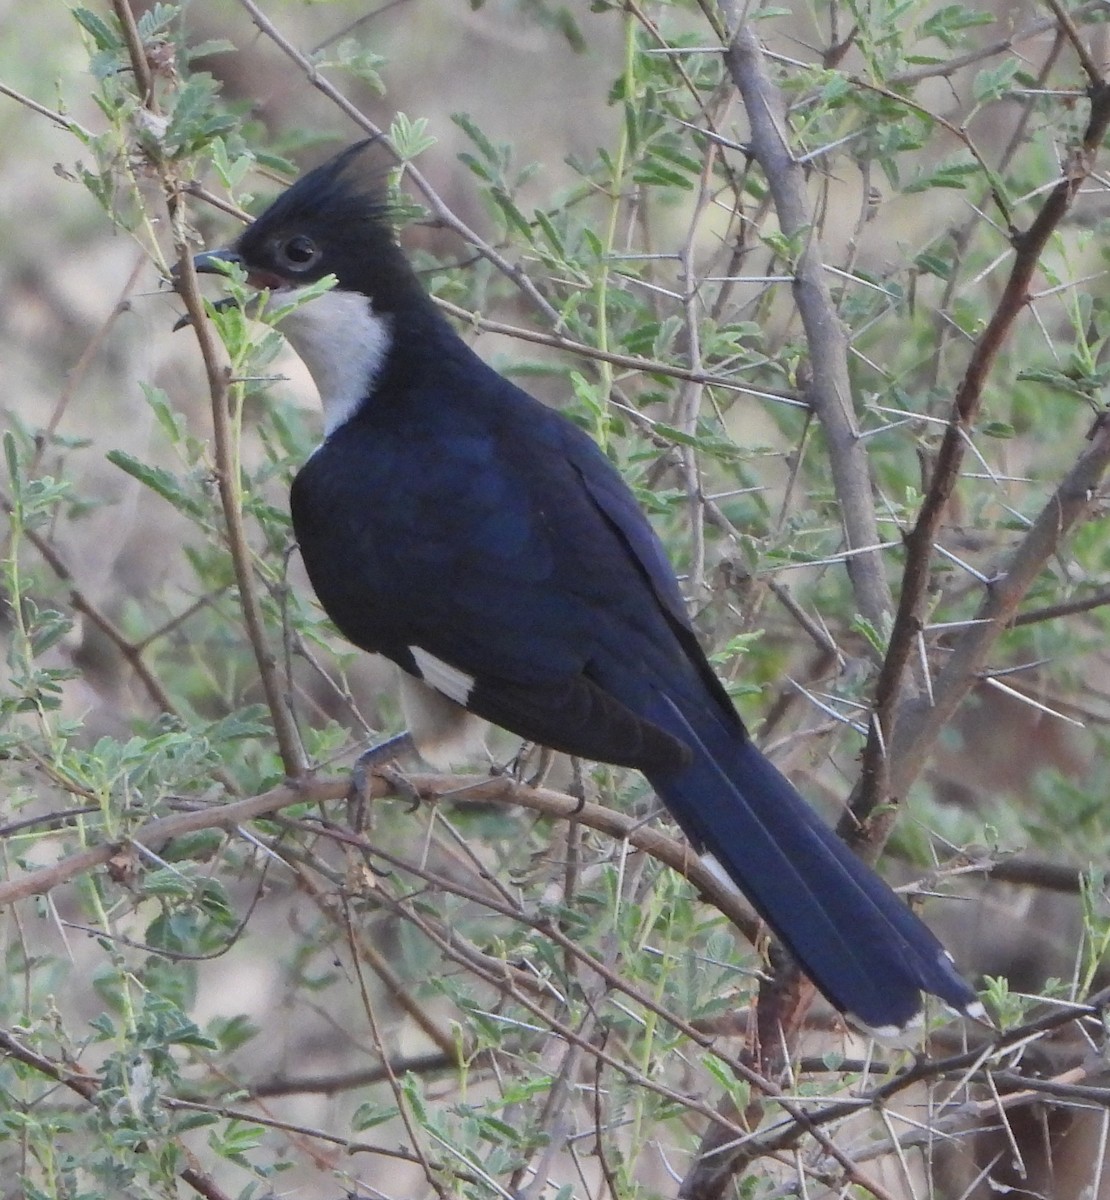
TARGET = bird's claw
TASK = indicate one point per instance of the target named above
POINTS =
(517, 766)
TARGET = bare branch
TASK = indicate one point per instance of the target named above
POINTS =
(1065, 608)
(1074, 501)
(1065, 22)
(829, 390)
(481, 789)
(876, 787)
(345, 1081)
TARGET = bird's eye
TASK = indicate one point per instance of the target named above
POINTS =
(299, 252)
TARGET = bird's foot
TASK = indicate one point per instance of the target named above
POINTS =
(518, 768)
(370, 762)
(402, 785)
(577, 788)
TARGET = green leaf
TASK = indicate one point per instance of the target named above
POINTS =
(185, 1121)
(514, 215)
(739, 1090)
(655, 173)
(931, 263)
(102, 34)
(236, 1140)
(944, 175)
(105, 1026)
(476, 165)
(158, 480)
(367, 1115)
(1061, 380)
(211, 46)
(172, 423)
(11, 456)
(410, 1085)
(788, 247)
(875, 639)
(410, 138)
(350, 55)
(231, 171)
(233, 1032)
(946, 22)
(49, 629)
(549, 231)
(197, 116)
(564, 23)
(678, 158)
(157, 20)
(190, 1035)
(486, 148)
(995, 82)
(169, 884)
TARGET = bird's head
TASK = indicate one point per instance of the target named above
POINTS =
(332, 221)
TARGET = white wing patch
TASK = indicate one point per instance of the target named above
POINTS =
(342, 342)
(448, 680)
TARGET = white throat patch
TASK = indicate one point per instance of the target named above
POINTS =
(342, 342)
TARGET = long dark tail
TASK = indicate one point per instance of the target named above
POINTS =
(858, 942)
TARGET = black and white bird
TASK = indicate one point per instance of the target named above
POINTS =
(487, 546)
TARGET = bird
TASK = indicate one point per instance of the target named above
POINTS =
(485, 543)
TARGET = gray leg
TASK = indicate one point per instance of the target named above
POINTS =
(377, 756)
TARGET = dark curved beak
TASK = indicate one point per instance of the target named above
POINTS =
(205, 263)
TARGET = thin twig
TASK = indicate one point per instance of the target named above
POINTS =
(394, 985)
(216, 816)
(404, 1106)
(59, 119)
(1064, 19)
(227, 471)
(631, 362)
(346, 1081)
(136, 52)
(949, 66)
(226, 465)
(1066, 608)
